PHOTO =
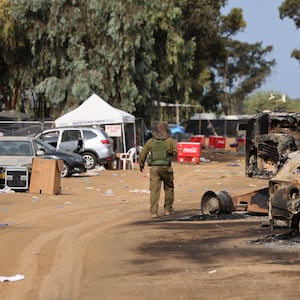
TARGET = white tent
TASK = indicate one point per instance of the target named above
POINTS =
(95, 111)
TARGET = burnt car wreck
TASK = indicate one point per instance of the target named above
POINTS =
(270, 137)
(271, 153)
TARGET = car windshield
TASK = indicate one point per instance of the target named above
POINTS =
(41, 145)
(16, 148)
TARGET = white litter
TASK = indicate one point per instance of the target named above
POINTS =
(6, 190)
(11, 278)
(109, 193)
(140, 191)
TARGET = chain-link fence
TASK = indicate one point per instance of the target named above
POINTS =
(24, 128)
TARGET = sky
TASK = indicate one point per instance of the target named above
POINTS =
(264, 25)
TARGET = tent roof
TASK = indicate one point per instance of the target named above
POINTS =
(94, 111)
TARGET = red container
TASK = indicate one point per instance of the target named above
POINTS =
(198, 139)
(211, 141)
(189, 152)
(241, 140)
(241, 144)
(217, 142)
(220, 142)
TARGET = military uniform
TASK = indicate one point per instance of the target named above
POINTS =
(158, 152)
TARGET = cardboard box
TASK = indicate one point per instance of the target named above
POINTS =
(45, 176)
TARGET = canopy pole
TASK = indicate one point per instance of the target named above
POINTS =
(134, 136)
(124, 140)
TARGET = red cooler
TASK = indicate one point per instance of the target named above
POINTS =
(198, 139)
(217, 142)
(211, 141)
(220, 142)
(241, 143)
(189, 152)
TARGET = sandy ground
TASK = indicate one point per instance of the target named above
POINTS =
(97, 241)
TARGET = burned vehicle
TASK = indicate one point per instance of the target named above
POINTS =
(284, 195)
(273, 153)
(270, 137)
(279, 200)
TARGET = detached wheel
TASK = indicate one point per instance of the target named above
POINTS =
(90, 160)
(66, 171)
(216, 203)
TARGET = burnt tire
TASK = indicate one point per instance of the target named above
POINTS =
(216, 203)
(90, 160)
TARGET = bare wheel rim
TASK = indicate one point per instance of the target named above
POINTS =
(65, 171)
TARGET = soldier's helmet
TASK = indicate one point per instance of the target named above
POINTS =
(160, 130)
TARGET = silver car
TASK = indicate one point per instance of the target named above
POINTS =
(93, 144)
(20, 150)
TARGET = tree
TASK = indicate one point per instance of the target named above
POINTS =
(241, 68)
(14, 57)
(269, 100)
(291, 9)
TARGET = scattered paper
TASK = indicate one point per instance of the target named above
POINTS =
(140, 191)
(6, 190)
(109, 192)
(11, 278)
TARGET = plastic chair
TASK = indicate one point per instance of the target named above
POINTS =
(127, 158)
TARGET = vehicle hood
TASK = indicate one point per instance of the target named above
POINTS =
(290, 171)
(15, 160)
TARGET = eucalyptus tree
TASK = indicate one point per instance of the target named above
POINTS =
(247, 68)
(291, 9)
(240, 68)
(14, 57)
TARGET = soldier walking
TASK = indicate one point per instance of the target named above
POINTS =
(158, 152)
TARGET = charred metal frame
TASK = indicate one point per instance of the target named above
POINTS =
(272, 143)
(270, 137)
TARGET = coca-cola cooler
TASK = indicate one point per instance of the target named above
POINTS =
(217, 142)
(189, 152)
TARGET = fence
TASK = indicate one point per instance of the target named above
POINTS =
(24, 128)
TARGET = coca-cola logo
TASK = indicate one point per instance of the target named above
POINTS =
(189, 150)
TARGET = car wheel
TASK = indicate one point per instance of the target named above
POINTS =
(66, 171)
(90, 160)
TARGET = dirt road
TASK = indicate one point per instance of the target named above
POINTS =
(97, 241)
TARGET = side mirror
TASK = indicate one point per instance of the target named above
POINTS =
(40, 152)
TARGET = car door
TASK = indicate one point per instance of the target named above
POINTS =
(71, 140)
(51, 137)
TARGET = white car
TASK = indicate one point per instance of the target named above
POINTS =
(93, 144)
(18, 151)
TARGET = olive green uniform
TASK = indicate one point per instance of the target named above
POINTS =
(158, 153)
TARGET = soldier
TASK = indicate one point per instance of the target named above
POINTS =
(158, 151)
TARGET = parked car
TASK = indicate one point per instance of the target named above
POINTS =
(20, 150)
(93, 144)
(177, 132)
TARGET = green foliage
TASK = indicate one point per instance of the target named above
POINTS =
(273, 101)
(291, 9)
(130, 53)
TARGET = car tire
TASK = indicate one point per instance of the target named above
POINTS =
(66, 171)
(90, 160)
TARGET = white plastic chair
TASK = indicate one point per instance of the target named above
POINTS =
(127, 158)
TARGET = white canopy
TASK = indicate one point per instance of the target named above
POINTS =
(95, 111)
